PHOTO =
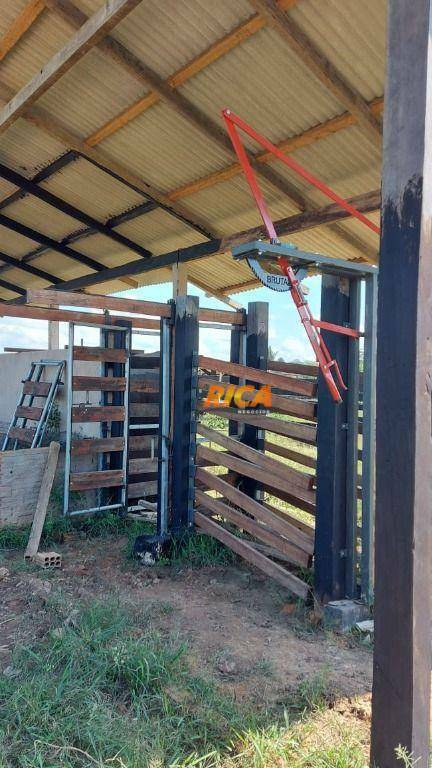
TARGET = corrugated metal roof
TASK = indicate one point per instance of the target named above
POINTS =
(261, 79)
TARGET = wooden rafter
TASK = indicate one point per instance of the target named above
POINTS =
(19, 26)
(321, 67)
(46, 123)
(303, 139)
(89, 35)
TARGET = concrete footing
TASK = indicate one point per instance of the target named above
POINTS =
(342, 615)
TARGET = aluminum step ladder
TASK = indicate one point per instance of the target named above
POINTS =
(20, 434)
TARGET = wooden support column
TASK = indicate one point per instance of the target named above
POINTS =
(403, 555)
(53, 331)
(179, 279)
(330, 536)
(256, 357)
(186, 337)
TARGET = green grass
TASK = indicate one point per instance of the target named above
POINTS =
(110, 691)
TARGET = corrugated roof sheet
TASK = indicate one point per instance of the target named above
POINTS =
(261, 79)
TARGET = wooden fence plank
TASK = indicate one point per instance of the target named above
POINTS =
(309, 530)
(92, 301)
(99, 383)
(259, 511)
(43, 499)
(299, 479)
(245, 550)
(29, 412)
(303, 369)
(304, 433)
(144, 410)
(22, 434)
(142, 466)
(296, 500)
(37, 388)
(143, 385)
(141, 490)
(284, 383)
(84, 413)
(100, 354)
(87, 446)
(288, 453)
(251, 526)
(290, 405)
(247, 469)
(85, 481)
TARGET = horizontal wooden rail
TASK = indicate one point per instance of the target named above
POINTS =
(29, 412)
(22, 434)
(86, 481)
(288, 453)
(292, 406)
(286, 516)
(306, 504)
(141, 490)
(88, 446)
(284, 383)
(85, 413)
(135, 306)
(144, 410)
(142, 442)
(301, 369)
(258, 511)
(303, 433)
(36, 388)
(221, 458)
(69, 316)
(297, 478)
(98, 384)
(251, 526)
(245, 550)
(142, 466)
(143, 386)
(100, 354)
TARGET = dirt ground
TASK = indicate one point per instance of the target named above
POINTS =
(239, 625)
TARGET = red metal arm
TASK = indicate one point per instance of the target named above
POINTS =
(311, 325)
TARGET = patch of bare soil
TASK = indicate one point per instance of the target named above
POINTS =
(239, 625)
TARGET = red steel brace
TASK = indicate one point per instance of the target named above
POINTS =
(311, 326)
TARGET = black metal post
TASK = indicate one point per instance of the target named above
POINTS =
(256, 357)
(237, 355)
(186, 337)
(403, 532)
(330, 534)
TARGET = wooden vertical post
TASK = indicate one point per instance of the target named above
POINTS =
(53, 332)
(256, 357)
(186, 337)
(402, 653)
(179, 279)
(330, 535)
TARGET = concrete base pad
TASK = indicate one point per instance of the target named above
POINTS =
(342, 615)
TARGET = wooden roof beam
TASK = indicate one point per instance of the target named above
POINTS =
(320, 66)
(19, 26)
(332, 213)
(89, 35)
(40, 118)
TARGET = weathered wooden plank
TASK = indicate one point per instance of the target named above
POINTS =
(142, 442)
(22, 434)
(93, 301)
(31, 412)
(70, 316)
(99, 383)
(297, 478)
(221, 316)
(284, 383)
(251, 526)
(88, 446)
(19, 487)
(90, 34)
(304, 433)
(142, 490)
(84, 413)
(100, 354)
(302, 369)
(43, 499)
(37, 388)
(296, 500)
(19, 26)
(86, 481)
(143, 410)
(259, 511)
(289, 405)
(144, 386)
(142, 466)
(222, 458)
(288, 453)
(245, 550)
(309, 530)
